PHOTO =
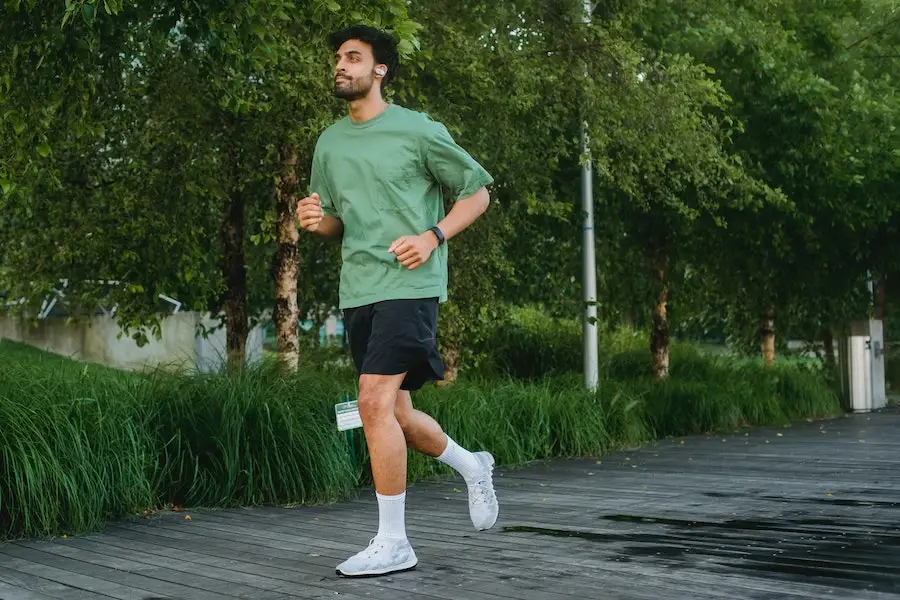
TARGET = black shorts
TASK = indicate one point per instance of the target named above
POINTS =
(396, 336)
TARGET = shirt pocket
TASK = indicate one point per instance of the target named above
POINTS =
(400, 190)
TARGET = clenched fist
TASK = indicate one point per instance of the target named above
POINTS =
(310, 213)
(414, 250)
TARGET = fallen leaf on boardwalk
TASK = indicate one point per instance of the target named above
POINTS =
(780, 435)
(829, 495)
(590, 473)
(457, 490)
(187, 517)
(545, 499)
(599, 462)
(682, 442)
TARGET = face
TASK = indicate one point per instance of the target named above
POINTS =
(354, 70)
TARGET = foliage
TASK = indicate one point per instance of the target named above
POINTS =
(171, 127)
(803, 98)
(745, 155)
(81, 443)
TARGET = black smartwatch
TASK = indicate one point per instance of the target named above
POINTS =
(439, 234)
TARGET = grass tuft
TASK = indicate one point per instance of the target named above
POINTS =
(82, 444)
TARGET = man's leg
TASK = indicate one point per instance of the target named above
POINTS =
(425, 435)
(389, 551)
(422, 432)
(384, 437)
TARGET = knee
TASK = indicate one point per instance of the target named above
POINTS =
(374, 406)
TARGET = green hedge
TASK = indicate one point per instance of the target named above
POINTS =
(82, 444)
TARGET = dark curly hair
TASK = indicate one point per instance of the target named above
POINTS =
(384, 46)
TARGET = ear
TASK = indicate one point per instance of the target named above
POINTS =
(381, 70)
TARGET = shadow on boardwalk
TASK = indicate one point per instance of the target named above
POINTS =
(810, 511)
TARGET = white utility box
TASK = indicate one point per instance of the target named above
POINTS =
(862, 367)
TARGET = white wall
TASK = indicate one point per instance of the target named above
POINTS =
(95, 340)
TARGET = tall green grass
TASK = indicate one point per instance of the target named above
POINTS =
(82, 444)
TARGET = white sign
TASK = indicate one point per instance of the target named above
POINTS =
(347, 416)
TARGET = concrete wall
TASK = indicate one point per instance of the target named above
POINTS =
(95, 340)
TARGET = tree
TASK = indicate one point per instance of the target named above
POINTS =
(791, 78)
(217, 97)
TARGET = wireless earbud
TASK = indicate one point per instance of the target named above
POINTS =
(380, 71)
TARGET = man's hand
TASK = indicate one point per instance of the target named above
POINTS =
(413, 251)
(310, 213)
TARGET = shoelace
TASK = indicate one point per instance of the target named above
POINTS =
(480, 491)
(373, 548)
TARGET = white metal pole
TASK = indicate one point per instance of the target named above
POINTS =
(589, 274)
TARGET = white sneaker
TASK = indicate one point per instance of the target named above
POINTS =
(383, 556)
(483, 505)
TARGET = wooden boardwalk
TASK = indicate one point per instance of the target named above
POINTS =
(811, 511)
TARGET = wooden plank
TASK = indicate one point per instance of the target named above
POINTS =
(25, 583)
(501, 569)
(810, 513)
(234, 566)
(10, 592)
(14, 558)
(124, 576)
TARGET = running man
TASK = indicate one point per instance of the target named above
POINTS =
(376, 183)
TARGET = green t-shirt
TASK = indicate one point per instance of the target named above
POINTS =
(383, 179)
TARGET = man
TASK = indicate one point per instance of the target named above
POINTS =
(376, 184)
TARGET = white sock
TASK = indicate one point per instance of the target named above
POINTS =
(462, 460)
(391, 516)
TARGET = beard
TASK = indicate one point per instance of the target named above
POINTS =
(354, 88)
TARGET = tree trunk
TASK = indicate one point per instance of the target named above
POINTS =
(767, 336)
(287, 264)
(451, 366)
(828, 342)
(659, 334)
(235, 273)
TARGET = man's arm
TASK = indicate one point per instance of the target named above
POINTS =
(414, 250)
(455, 169)
(312, 218)
(464, 213)
(330, 228)
(316, 213)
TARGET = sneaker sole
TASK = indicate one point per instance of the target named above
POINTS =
(407, 566)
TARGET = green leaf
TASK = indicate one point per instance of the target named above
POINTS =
(333, 5)
(405, 47)
(44, 150)
(88, 11)
(6, 185)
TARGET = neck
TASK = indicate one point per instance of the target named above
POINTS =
(367, 108)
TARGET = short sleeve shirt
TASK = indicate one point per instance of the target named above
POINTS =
(384, 179)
